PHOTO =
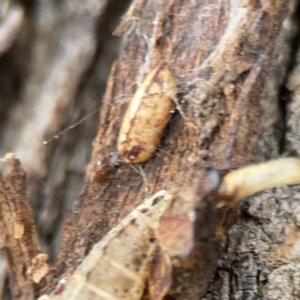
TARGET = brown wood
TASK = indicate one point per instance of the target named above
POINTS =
(220, 65)
(19, 240)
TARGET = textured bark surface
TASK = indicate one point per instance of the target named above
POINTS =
(225, 101)
(19, 240)
(229, 60)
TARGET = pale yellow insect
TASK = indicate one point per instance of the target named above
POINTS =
(147, 116)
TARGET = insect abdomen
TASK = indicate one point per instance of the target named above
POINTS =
(147, 116)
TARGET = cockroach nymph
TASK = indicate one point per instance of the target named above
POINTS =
(147, 116)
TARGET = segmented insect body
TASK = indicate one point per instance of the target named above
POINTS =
(147, 116)
(117, 267)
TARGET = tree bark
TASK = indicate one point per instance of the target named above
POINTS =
(230, 61)
(224, 105)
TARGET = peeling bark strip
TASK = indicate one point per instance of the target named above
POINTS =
(147, 116)
(20, 246)
(142, 245)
